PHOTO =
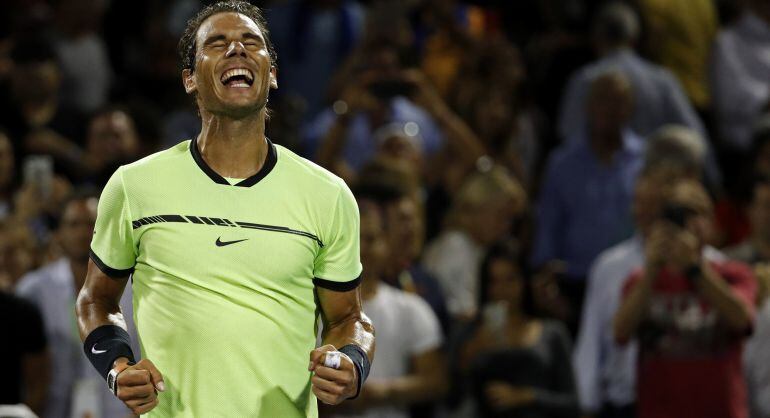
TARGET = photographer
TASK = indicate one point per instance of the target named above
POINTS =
(690, 316)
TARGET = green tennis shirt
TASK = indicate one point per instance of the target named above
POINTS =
(224, 275)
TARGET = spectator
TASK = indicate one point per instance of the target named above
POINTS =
(375, 95)
(24, 371)
(586, 192)
(19, 253)
(680, 34)
(405, 230)
(482, 213)
(516, 364)
(658, 97)
(312, 37)
(52, 289)
(32, 112)
(689, 314)
(740, 65)
(112, 140)
(409, 367)
(606, 371)
(86, 72)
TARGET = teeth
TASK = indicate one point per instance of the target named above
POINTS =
(236, 72)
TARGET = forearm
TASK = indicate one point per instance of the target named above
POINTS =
(459, 135)
(718, 293)
(93, 311)
(355, 329)
(632, 309)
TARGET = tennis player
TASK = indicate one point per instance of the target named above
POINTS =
(235, 247)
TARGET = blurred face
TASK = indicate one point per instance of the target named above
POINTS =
(112, 136)
(402, 148)
(609, 105)
(374, 245)
(759, 212)
(232, 75)
(77, 228)
(493, 221)
(33, 82)
(405, 228)
(505, 282)
(6, 162)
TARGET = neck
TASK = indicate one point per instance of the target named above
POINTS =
(233, 147)
(79, 270)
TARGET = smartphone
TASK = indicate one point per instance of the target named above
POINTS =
(38, 173)
(677, 214)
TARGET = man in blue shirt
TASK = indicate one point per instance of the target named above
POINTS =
(588, 184)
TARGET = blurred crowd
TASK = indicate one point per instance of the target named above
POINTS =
(565, 204)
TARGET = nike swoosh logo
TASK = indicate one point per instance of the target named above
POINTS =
(223, 243)
(95, 351)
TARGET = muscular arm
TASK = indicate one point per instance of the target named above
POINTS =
(99, 301)
(344, 320)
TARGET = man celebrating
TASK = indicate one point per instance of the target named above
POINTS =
(234, 243)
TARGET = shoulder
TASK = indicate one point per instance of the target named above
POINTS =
(304, 172)
(39, 280)
(617, 256)
(155, 162)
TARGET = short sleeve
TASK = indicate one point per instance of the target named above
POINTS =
(425, 330)
(338, 264)
(112, 246)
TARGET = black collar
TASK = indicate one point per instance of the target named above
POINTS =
(267, 167)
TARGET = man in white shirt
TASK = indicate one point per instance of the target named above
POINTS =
(606, 371)
(410, 367)
(53, 289)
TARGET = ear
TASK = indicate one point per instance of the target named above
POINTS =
(188, 80)
(273, 78)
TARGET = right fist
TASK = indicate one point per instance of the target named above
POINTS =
(138, 386)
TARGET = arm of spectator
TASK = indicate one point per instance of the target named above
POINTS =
(639, 289)
(680, 110)
(737, 313)
(354, 99)
(560, 399)
(551, 218)
(461, 137)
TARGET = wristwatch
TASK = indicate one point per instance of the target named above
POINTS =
(112, 376)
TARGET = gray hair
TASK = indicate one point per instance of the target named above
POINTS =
(617, 23)
(676, 147)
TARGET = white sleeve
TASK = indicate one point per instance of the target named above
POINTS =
(587, 353)
(424, 329)
(452, 268)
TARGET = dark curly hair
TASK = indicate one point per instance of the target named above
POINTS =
(187, 46)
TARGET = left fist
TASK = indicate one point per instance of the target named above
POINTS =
(332, 386)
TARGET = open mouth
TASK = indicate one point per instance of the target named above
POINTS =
(237, 78)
